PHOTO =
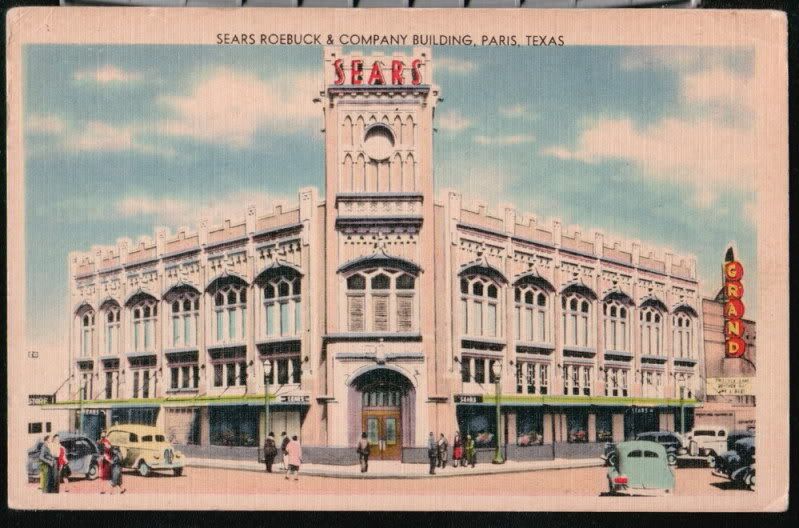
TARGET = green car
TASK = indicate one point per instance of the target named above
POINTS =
(640, 468)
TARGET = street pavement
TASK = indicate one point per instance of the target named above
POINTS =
(584, 481)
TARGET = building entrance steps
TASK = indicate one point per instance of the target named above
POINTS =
(398, 470)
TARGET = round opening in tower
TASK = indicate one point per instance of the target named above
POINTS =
(378, 142)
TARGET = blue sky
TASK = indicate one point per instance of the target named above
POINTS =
(642, 143)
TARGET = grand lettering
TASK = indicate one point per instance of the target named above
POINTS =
(376, 76)
(734, 345)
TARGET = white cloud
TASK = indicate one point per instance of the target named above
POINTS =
(681, 58)
(452, 65)
(512, 139)
(100, 136)
(230, 106)
(108, 74)
(518, 111)
(49, 124)
(722, 87)
(696, 153)
(178, 212)
(453, 121)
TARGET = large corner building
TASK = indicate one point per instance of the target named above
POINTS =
(383, 307)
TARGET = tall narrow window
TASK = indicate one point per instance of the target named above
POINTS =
(112, 313)
(281, 309)
(615, 326)
(576, 320)
(651, 324)
(230, 307)
(87, 333)
(532, 306)
(481, 306)
(682, 332)
(185, 314)
(144, 320)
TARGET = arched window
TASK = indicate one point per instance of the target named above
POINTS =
(616, 326)
(185, 313)
(532, 314)
(576, 319)
(144, 317)
(682, 330)
(282, 308)
(381, 300)
(230, 309)
(651, 324)
(111, 316)
(480, 306)
(616, 382)
(86, 333)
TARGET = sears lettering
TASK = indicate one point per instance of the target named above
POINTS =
(235, 38)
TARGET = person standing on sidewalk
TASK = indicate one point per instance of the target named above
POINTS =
(270, 451)
(116, 471)
(432, 452)
(43, 471)
(443, 451)
(294, 452)
(63, 471)
(457, 450)
(471, 455)
(49, 467)
(363, 452)
(284, 441)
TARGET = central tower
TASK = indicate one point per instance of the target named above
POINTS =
(379, 276)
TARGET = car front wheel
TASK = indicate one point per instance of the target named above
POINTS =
(711, 461)
(178, 471)
(144, 469)
(750, 481)
(672, 459)
(92, 473)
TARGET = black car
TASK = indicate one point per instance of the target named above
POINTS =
(82, 456)
(734, 436)
(670, 441)
(738, 464)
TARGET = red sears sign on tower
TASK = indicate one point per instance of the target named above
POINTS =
(376, 74)
(734, 309)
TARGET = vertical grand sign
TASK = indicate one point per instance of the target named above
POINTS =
(733, 307)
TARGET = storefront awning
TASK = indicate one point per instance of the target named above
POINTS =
(275, 400)
(511, 400)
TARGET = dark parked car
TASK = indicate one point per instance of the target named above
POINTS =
(671, 442)
(734, 436)
(82, 455)
(738, 464)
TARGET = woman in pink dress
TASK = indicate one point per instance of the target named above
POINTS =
(105, 461)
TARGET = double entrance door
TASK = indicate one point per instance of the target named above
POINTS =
(383, 430)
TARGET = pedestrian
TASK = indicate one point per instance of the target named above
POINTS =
(470, 452)
(63, 471)
(43, 471)
(48, 468)
(457, 450)
(284, 441)
(432, 452)
(105, 463)
(270, 451)
(442, 451)
(363, 452)
(294, 457)
(116, 471)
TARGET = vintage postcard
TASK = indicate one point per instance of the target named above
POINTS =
(397, 259)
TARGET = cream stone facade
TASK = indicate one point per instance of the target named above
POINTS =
(383, 308)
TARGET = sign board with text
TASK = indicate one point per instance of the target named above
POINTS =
(729, 387)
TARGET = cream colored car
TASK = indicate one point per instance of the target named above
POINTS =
(146, 449)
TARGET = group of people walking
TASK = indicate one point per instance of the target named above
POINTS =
(54, 470)
(463, 453)
(290, 451)
(53, 466)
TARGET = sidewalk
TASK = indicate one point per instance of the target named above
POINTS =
(397, 470)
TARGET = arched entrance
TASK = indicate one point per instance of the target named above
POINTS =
(382, 405)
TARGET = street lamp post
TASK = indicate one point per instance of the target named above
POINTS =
(267, 373)
(682, 410)
(496, 368)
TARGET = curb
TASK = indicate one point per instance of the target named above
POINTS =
(367, 476)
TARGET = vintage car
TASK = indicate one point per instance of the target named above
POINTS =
(82, 456)
(707, 441)
(738, 464)
(640, 468)
(146, 449)
(672, 442)
(735, 435)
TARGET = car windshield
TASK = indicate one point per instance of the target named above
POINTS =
(160, 438)
(147, 438)
(650, 454)
(704, 433)
(634, 454)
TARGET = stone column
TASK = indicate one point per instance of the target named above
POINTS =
(592, 427)
(618, 427)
